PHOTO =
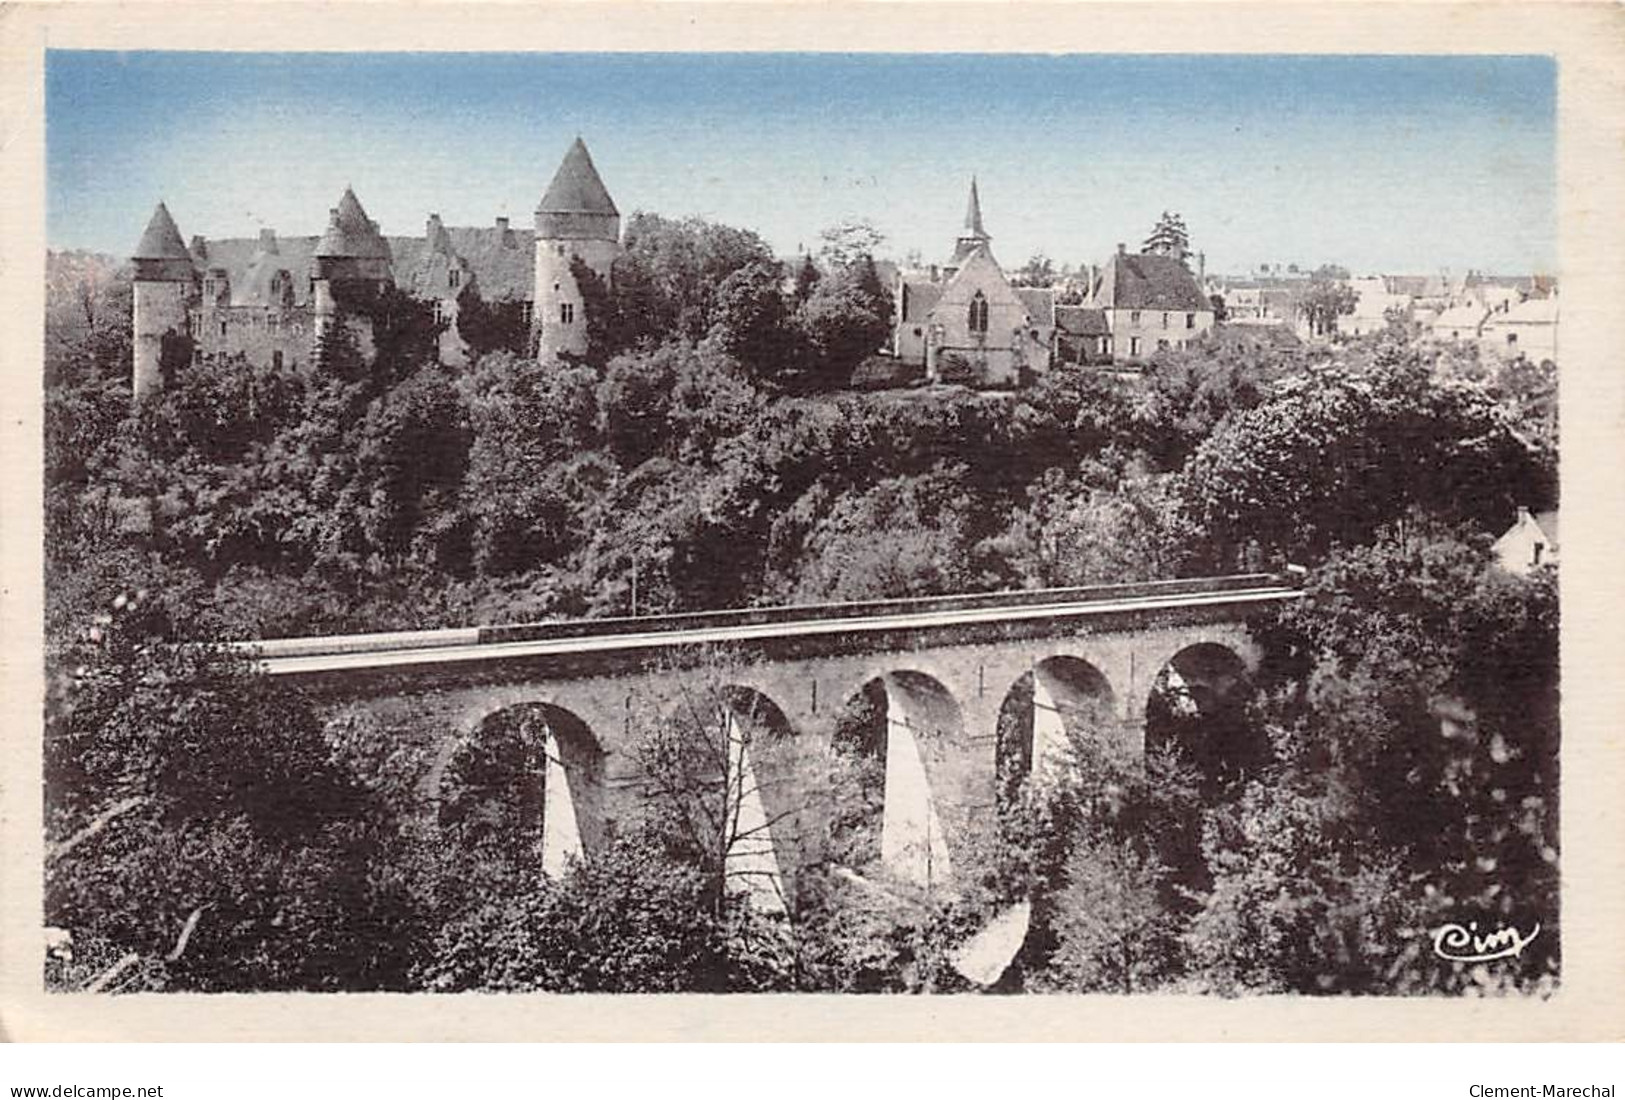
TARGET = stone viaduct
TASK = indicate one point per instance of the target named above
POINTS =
(942, 670)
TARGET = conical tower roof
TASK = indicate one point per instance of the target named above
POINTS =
(576, 187)
(162, 240)
(351, 233)
(973, 214)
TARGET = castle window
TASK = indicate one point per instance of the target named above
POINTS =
(916, 331)
(1134, 317)
(1512, 338)
(1190, 320)
(1134, 345)
(1164, 320)
(276, 360)
(978, 313)
(442, 312)
(567, 313)
(1162, 345)
(527, 310)
(454, 277)
(222, 327)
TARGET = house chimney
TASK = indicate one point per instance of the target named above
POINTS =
(502, 224)
(267, 240)
(200, 248)
(1201, 268)
(1122, 249)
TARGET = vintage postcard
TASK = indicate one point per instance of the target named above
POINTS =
(1042, 521)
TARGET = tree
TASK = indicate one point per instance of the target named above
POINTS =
(669, 271)
(199, 823)
(1337, 457)
(751, 321)
(807, 279)
(1169, 237)
(847, 318)
(847, 242)
(1039, 270)
(1325, 301)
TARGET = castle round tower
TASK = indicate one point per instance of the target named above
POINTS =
(164, 282)
(576, 219)
(352, 264)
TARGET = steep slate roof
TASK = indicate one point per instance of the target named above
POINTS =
(577, 187)
(1039, 303)
(240, 256)
(351, 233)
(503, 263)
(162, 240)
(254, 288)
(919, 298)
(1081, 321)
(1150, 282)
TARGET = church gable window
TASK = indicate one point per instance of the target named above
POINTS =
(978, 314)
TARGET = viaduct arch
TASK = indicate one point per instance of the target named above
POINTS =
(936, 693)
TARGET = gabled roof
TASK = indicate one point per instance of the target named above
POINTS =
(254, 288)
(1039, 303)
(919, 298)
(351, 233)
(162, 240)
(1535, 311)
(1081, 321)
(1149, 282)
(577, 187)
(1458, 317)
(503, 261)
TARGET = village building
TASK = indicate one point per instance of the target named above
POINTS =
(1529, 543)
(1528, 329)
(967, 321)
(272, 299)
(1374, 304)
(1150, 302)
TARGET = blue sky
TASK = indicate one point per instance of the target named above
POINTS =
(1397, 164)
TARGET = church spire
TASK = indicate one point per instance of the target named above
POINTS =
(974, 235)
(973, 215)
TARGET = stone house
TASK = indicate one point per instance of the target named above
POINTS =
(1149, 302)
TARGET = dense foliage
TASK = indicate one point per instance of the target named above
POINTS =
(209, 831)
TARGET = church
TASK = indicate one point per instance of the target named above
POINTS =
(271, 299)
(966, 322)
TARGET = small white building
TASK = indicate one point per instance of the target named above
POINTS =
(1461, 323)
(1529, 543)
(1528, 329)
(1372, 306)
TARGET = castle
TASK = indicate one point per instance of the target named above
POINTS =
(272, 299)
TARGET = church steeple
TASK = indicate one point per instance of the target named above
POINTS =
(974, 235)
(973, 214)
